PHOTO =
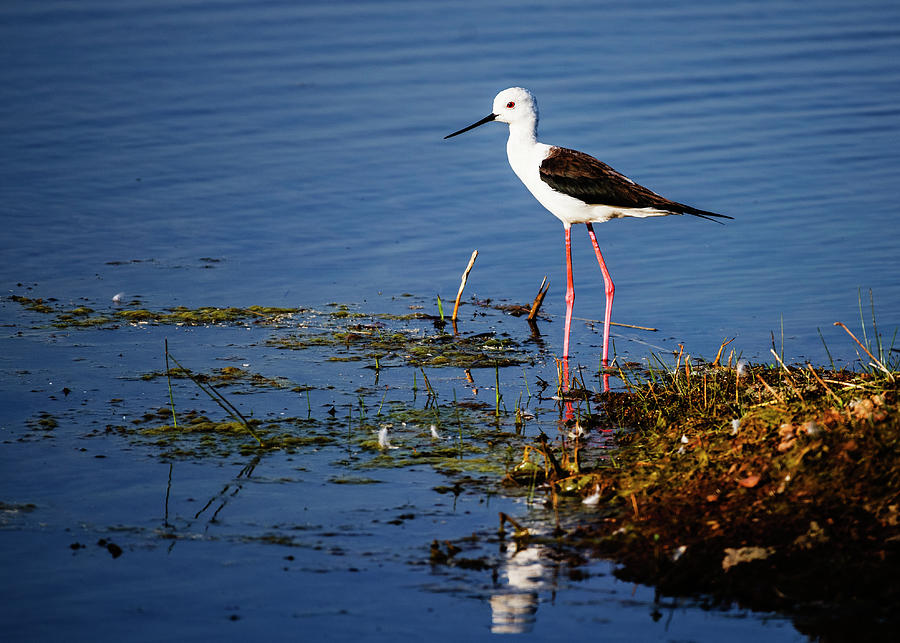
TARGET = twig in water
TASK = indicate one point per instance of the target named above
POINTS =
(620, 324)
(559, 379)
(549, 459)
(539, 299)
(462, 283)
(427, 383)
(876, 362)
(520, 530)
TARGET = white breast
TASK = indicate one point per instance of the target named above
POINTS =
(525, 158)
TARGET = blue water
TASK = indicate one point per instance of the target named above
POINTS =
(292, 154)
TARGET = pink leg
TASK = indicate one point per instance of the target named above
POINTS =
(570, 304)
(570, 291)
(610, 291)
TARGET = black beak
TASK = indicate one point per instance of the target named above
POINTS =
(486, 119)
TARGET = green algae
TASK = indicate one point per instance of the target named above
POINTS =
(85, 316)
(209, 315)
(411, 347)
(353, 480)
(65, 320)
(44, 421)
(387, 338)
(37, 305)
(227, 376)
(197, 435)
(453, 438)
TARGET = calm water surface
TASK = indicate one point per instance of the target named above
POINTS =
(291, 154)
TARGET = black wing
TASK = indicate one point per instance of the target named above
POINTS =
(582, 176)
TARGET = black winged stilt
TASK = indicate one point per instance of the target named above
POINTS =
(575, 187)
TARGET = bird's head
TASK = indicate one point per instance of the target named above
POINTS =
(513, 106)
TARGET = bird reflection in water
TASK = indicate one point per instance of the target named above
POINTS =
(514, 608)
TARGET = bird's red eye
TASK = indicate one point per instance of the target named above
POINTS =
(510, 105)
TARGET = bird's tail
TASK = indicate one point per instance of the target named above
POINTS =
(703, 214)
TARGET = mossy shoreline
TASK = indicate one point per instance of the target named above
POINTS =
(777, 488)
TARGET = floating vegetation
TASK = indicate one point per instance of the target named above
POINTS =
(471, 445)
(197, 435)
(208, 315)
(84, 316)
(342, 311)
(226, 376)
(772, 484)
(409, 346)
(43, 422)
(387, 339)
(455, 438)
(354, 480)
(37, 305)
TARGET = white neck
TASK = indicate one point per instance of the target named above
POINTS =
(525, 154)
(522, 133)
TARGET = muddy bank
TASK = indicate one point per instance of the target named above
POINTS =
(772, 487)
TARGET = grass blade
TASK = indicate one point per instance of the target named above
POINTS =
(219, 399)
(169, 380)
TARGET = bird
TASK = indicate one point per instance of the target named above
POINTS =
(576, 188)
